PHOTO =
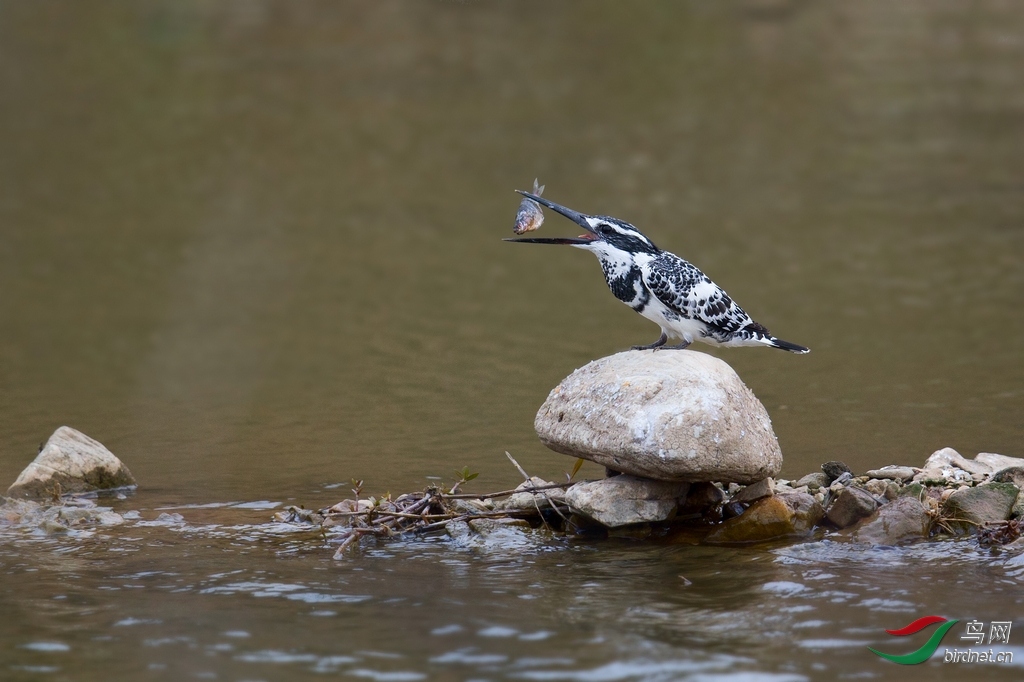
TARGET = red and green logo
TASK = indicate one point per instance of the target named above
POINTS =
(926, 651)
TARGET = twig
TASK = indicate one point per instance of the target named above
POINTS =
(530, 481)
(437, 525)
(426, 511)
(506, 493)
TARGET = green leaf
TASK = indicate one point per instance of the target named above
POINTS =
(576, 468)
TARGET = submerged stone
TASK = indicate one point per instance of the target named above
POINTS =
(670, 415)
(489, 526)
(70, 514)
(71, 462)
(625, 500)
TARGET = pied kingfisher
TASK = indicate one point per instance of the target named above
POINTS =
(661, 286)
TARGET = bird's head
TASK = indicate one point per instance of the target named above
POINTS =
(603, 234)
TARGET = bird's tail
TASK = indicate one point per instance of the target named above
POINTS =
(785, 345)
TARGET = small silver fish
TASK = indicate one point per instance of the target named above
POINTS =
(530, 216)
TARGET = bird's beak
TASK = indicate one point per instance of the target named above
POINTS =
(572, 215)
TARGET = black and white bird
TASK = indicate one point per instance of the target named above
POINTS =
(661, 286)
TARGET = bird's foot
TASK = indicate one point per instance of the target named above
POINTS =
(678, 346)
(654, 346)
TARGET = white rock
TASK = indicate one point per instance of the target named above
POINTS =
(623, 500)
(950, 458)
(894, 472)
(669, 415)
(71, 462)
(998, 462)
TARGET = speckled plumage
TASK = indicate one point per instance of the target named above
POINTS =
(663, 287)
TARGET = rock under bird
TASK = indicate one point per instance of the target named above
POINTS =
(661, 286)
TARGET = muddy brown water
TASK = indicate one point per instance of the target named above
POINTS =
(254, 248)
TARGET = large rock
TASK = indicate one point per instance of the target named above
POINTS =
(624, 500)
(902, 520)
(71, 462)
(769, 518)
(969, 509)
(669, 415)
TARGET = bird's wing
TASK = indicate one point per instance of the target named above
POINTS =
(684, 289)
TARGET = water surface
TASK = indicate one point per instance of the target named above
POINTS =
(254, 248)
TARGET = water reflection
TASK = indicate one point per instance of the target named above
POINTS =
(253, 248)
(223, 600)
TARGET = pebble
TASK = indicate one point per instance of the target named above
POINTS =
(893, 471)
(835, 469)
(876, 486)
(818, 479)
(844, 478)
(755, 491)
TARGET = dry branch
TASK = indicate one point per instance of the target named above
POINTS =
(426, 511)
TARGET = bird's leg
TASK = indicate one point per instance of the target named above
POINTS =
(657, 344)
(678, 346)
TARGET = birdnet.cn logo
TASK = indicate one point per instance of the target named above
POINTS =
(998, 632)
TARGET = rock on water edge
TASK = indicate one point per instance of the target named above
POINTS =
(902, 520)
(849, 506)
(968, 509)
(624, 500)
(770, 517)
(71, 462)
(669, 415)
